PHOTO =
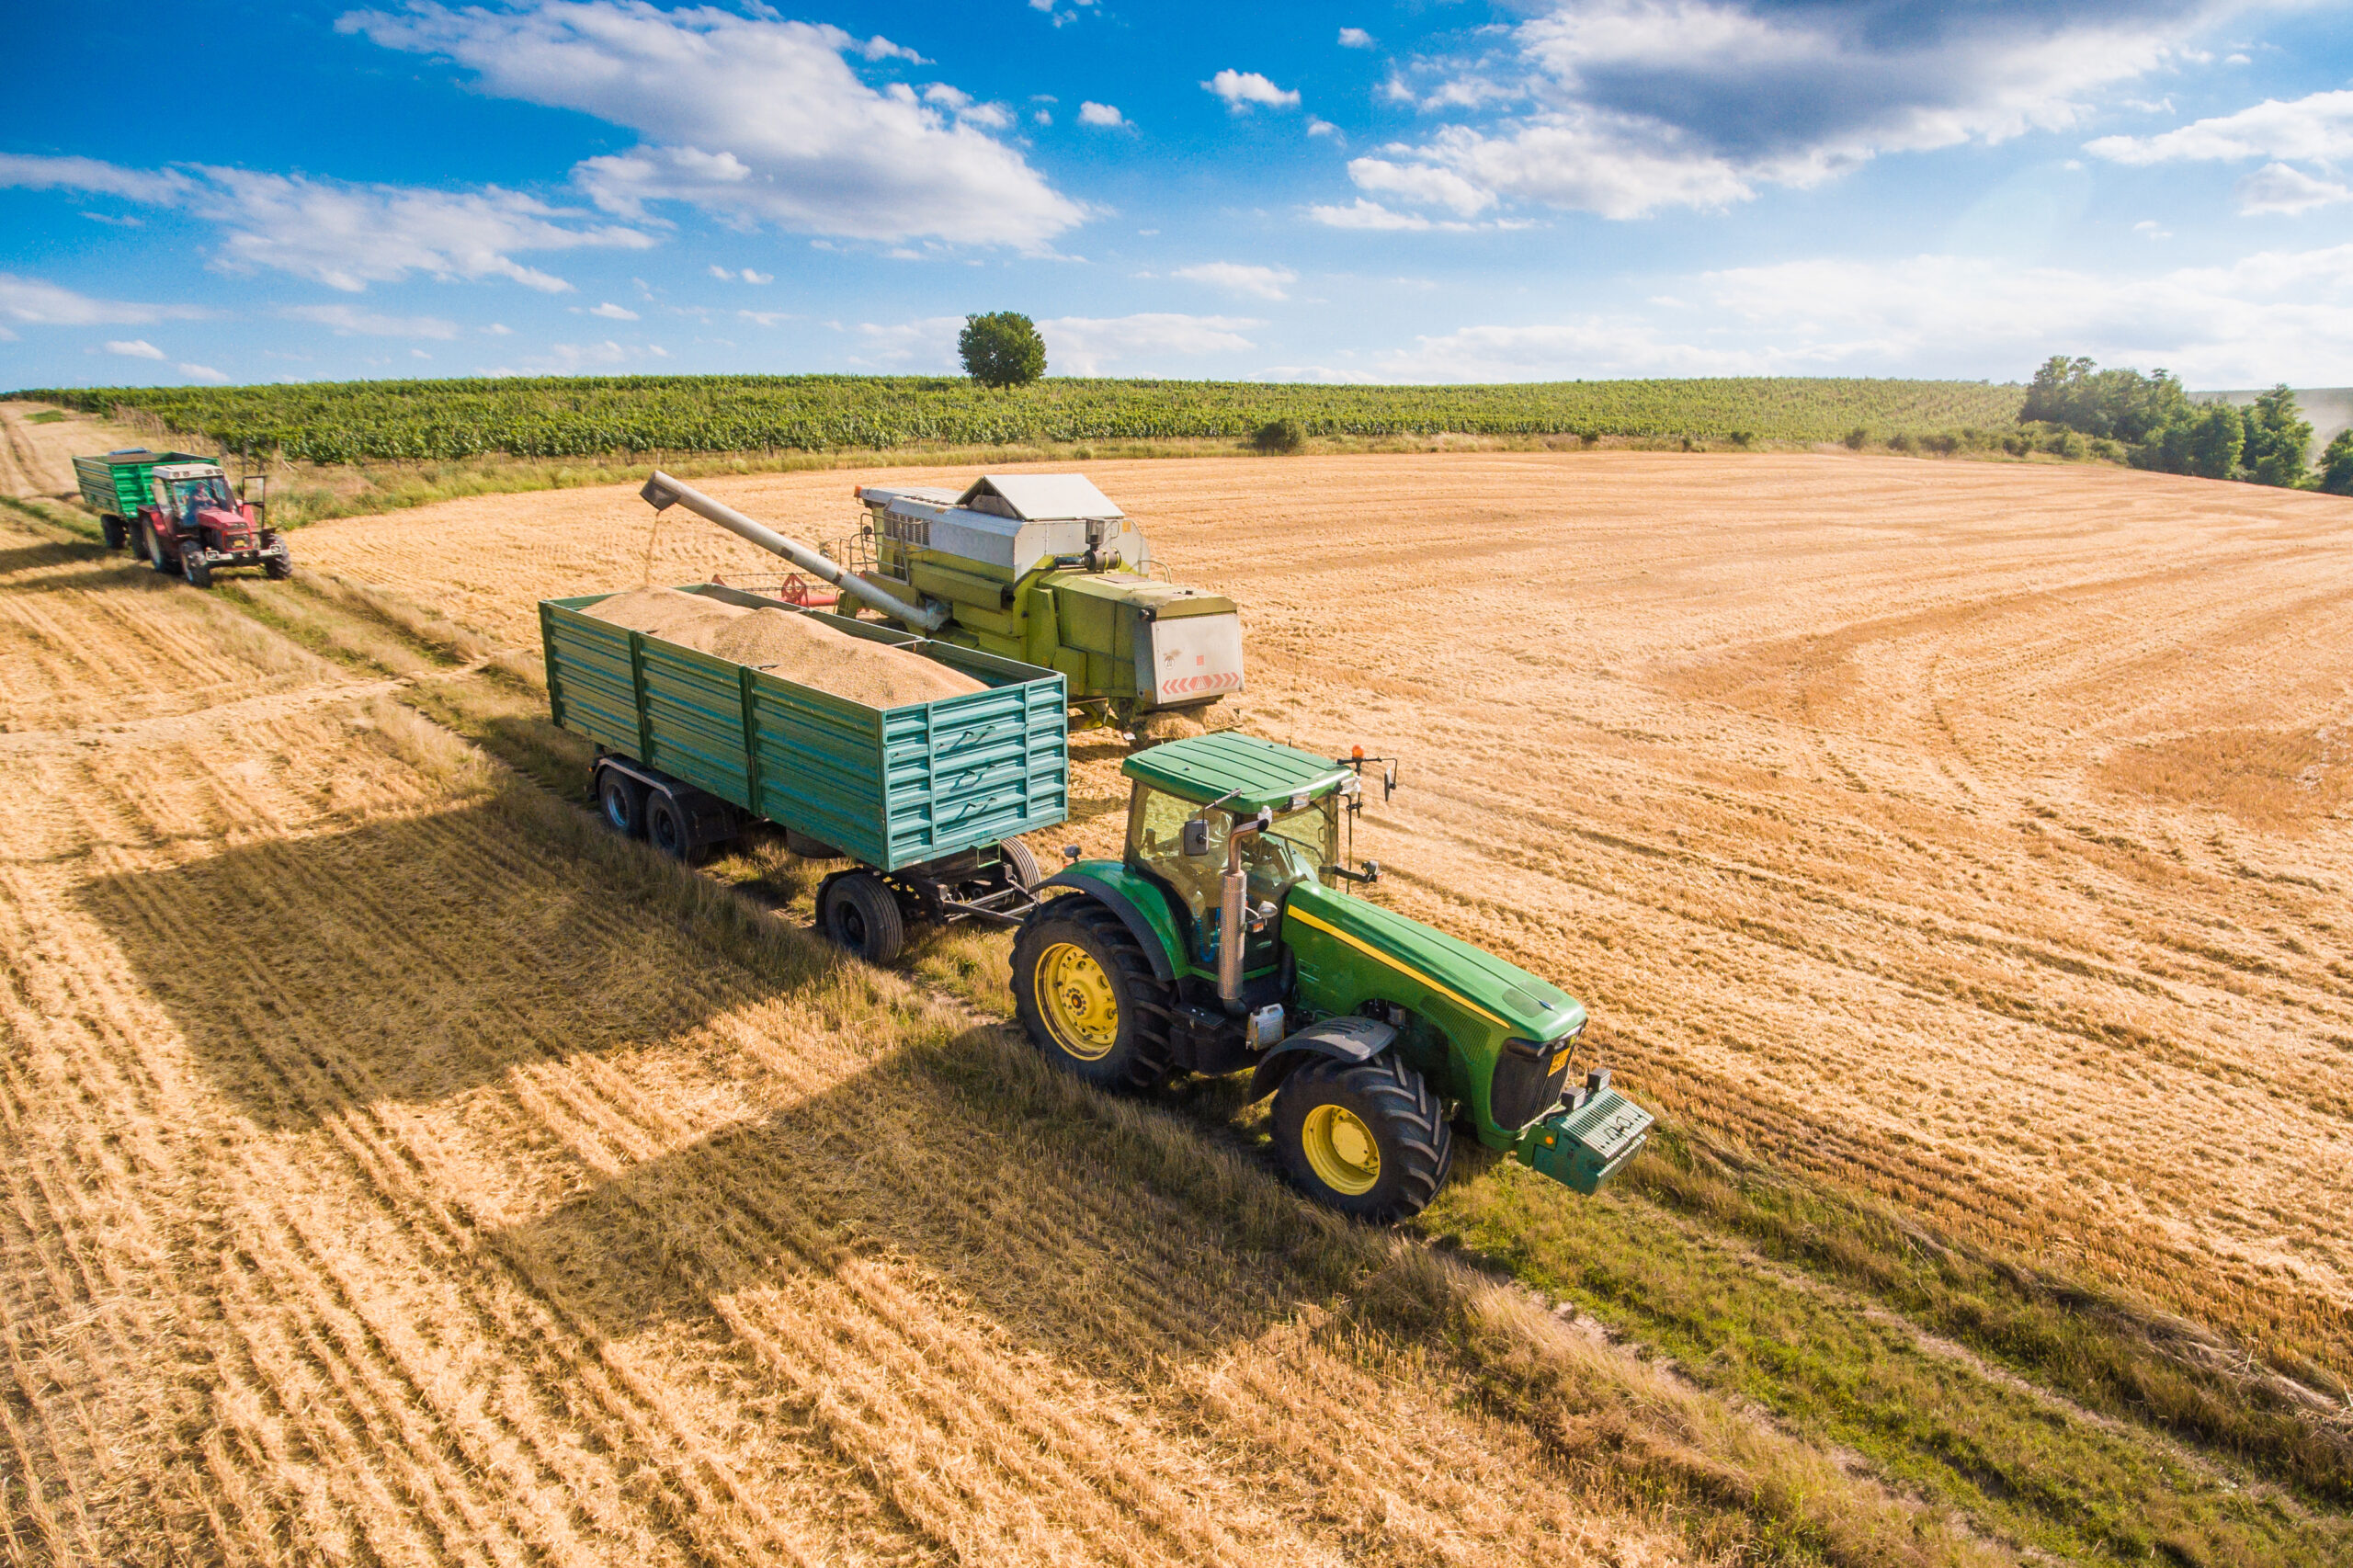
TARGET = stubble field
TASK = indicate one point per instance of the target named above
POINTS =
(1974, 833)
(400, 1170)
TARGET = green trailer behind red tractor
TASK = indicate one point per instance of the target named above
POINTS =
(177, 512)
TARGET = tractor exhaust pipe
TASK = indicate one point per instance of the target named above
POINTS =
(662, 490)
(1234, 914)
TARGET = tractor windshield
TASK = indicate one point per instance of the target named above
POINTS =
(1296, 848)
(189, 494)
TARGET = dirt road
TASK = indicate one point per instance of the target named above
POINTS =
(1975, 833)
(398, 1171)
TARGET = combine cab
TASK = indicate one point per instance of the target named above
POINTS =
(178, 513)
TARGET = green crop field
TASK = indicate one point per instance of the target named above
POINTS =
(358, 421)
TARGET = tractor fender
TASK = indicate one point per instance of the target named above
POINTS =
(1351, 1039)
(1139, 925)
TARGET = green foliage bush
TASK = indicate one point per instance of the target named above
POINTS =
(1856, 438)
(2336, 465)
(2153, 423)
(1284, 435)
(1002, 350)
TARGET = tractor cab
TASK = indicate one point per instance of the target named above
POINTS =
(1224, 939)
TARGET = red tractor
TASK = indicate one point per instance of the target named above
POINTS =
(182, 515)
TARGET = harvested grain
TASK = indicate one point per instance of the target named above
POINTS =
(795, 647)
(689, 619)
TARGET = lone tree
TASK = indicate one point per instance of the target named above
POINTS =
(1002, 349)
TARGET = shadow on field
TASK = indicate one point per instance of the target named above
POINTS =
(411, 958)
(945, 1182)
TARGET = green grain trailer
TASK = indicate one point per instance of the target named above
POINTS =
(927, 799)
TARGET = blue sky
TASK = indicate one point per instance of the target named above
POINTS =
(1420, 191)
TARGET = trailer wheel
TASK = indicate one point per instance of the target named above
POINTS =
(1367, 1139)
(622, 799)
(860, 913)
(197, 571)
(1021, 862)
(666, 829)
(1086, 996)
(115, 533)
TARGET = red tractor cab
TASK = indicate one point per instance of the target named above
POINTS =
(193, 523)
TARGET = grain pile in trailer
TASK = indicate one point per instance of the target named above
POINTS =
(788, 645)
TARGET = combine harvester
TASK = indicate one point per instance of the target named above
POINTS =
(178, 511)
(1225, 940)
(1040, 567)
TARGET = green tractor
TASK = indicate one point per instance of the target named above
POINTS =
(1376, 1034)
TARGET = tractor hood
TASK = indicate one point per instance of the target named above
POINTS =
(1504, 993)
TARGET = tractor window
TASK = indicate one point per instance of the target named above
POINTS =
(1155, 832)
(1295, 849)
(190, 493)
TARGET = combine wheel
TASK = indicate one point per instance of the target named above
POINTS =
(666, 829)
(1086, 995)
(197, 571)
(1367, 1139)
(115, 533)
(622, 799)
(860, 913)
(1021, 862)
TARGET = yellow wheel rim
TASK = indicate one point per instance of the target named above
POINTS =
(1074, 998)
(1341, 1150)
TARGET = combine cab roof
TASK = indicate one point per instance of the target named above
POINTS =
(1044, 497)
(1254, 772)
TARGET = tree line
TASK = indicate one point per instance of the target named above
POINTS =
(2160, 427)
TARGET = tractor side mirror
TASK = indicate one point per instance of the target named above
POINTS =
(1389, 781)
(1194, 837)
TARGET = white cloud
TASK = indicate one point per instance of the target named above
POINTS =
(202, 373)
(765, 318)
(35, 303)
(1321, 126)
(721, 273)
(2318, 128)
(1634, 105)
(1355, 37)
(349, 321)
(1240, 89)
(1137, 344)
(2277, 189)
(1363, 214)
(751, 118)
(752, 277)
(1423, 183)
(1099, 114)
(726, 275)
(2270, 316)
(1265, 282)
(348, 236)
(135, 348)
(611, 311)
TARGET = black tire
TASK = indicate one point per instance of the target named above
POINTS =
(1389, 1100)
(152, 546)
(860, 913)
(115, 533)
(277, 566)
(1131, 1050)
(667, 828)
(1021, 862)
(198, 572)
(622, 799)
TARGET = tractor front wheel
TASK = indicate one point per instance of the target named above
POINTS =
(195, 568)
(1086, 995)
(279, 565)
(1367, 1139)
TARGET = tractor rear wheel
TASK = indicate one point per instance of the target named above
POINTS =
(858, 910)
(1087, 998)
(153, 547)
(1367, 1139)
